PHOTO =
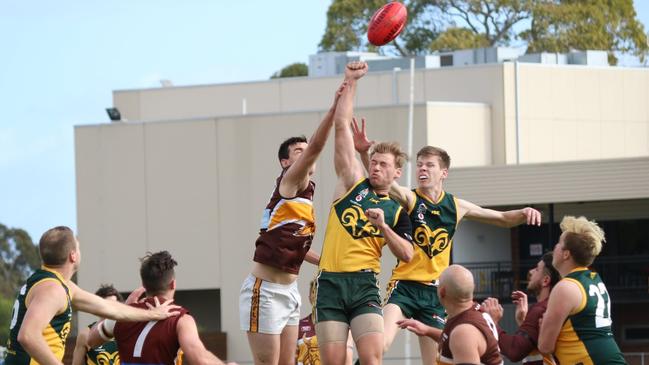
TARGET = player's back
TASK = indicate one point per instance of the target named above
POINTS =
(151, 343)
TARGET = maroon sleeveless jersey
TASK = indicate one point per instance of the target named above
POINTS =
(287, 229)
(151, 343)
(483, 322)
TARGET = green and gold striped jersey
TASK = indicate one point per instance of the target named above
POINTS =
(351, 242)
(54, 334)
(586, 336)
(433, 227)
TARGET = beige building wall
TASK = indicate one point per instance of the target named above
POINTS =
(582, 113)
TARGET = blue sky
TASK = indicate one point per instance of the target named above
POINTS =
(61, 60)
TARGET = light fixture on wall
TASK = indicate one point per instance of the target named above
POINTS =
(114, 115)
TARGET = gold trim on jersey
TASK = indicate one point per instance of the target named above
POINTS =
(296, 210)
(584, 296)
(457, 212)
(569, 348)
(425, 197)
(348, 191)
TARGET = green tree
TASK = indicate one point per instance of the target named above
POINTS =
(6, 307)
(486, 22)
(18, 259)
(611, 25)
(347, 22)
(292, 70)
(545, 25)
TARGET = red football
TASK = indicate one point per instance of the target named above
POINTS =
(387, 23)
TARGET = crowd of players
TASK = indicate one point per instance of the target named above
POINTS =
(569, 324)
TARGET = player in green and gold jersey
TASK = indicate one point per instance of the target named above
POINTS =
(434, 215)
(577, 323)
(42, 313)
(362, 219)
(105, 354)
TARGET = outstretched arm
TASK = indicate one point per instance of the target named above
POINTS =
(508, 219)
(91, 303)
(296, 177)
(347, 167)
(420, 329)
(362, 145)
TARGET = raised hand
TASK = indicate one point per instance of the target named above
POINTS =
(495, 310)
(355, 70)
(361, 143)
(520, 299)
(163, 310)
(532, 216)
(413, 326)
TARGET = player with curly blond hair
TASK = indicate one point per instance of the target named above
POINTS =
(577, 324)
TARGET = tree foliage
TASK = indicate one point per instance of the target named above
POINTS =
(6, 307)
(545, 25)
(18, 259)
(292, 70)
(609, 25)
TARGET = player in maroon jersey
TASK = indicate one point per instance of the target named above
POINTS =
(523, 344)
(156, 342)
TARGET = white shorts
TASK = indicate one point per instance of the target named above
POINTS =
(266, 307)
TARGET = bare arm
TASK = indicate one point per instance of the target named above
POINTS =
(296, 177)
(94, 337)
(565, 297)
(44, 301)
(90, 303)
(400, 247)
(467, 344)
(518, 346)
(192, 345)
(508, 219)
(420, 329)
(81, 347)
(312, 257)
(347, 167)
(362, 145)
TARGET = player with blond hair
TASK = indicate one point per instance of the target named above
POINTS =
(577, 323)
(362, 220)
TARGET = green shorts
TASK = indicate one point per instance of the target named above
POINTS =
(341, 296)
(418, 301)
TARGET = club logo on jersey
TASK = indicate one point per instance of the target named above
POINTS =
(362, 194)
(431, 242)
(108, 358)
(356, 223)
